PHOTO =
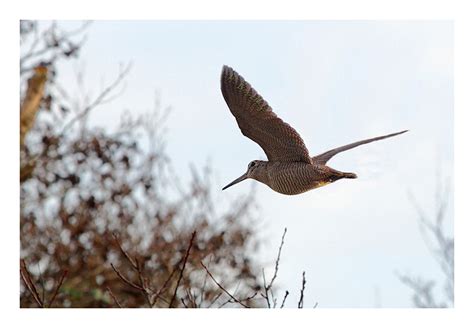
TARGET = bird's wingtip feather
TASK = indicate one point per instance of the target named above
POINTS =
(226, 68)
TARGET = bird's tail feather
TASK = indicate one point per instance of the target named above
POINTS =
(349, 175)
(325, 157)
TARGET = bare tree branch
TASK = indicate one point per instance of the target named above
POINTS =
(103, 97)
(114, 298)
(52, 46)
(26, 277)
(30, 286)
(284, 299)
(300, 303)
(441, 246)
(125, 280)
(277, 260)
(269, 287)
(182, 268)
(58, 285)
(222, 288)
(158, 293)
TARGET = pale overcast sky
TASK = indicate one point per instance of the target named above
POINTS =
(335, 82)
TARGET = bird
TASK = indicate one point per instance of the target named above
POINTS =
(290, 170)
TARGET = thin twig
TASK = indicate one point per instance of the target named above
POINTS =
(440, 244)
(56, 290)
(225, 303)
(203, 288)
(278, 259)
(100, 99)
(144, 283)
(284, 299)
(222, 288)
(125, 280)
(265, 296)
(64, 38)
(144, 287)
(300, 303)
(268, 288)
(183, 267)
(184, 303)
(26, 277)
(128, 257)
(41, 280)
(158, 293)
(250, 297)
(215, 299)
(114, 298)
(191, 297)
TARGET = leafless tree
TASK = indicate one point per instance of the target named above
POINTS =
(441, 245)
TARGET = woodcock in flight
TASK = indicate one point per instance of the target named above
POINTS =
(289, 169)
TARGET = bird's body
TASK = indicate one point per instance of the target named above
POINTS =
(289, 169)
(291, 178)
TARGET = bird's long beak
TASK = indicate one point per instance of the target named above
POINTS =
(239, 179)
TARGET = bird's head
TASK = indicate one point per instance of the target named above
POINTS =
(255, 170)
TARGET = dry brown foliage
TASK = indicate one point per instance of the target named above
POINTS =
(108, 209)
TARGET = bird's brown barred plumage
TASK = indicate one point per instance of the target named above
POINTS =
(289, 169)
(258, 122)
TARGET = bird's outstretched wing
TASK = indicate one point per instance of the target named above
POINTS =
(258, 122)
(325, 157)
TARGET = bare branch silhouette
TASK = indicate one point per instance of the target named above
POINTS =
(114, 298)
(441, 246)
(56, 290)
(185, 260)
(303, 284)
(268, 288)
(284, 299)
(222, 288)
(30, 286)
(26, 277)
(103, 98)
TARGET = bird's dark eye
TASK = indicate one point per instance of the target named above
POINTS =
(252, 164)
